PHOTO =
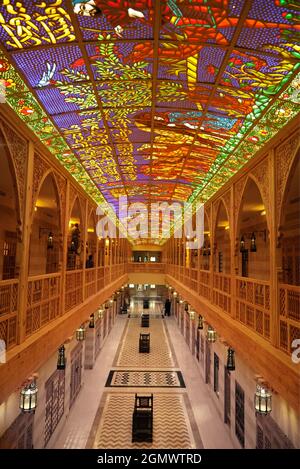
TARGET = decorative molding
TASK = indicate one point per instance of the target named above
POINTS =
(215, 209)
(40, 168)
(227, 202)
(239, 188)
(284, 158)
(261, 175)
(18, 149)
(61, 185)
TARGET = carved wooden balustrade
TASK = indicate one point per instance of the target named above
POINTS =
(8, 311)
(289, 311)
(253, 304)
(74, 290)
(222, 292)
(43, 301)
(90, 278)
(204, 284)
(146, 267)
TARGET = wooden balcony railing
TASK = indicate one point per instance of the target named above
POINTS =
(90, 277)
(289, 311)
(146, 267)
(204, 284)
(43, 300)
(8, 311)
(253, 304)
(100, 278)
(222, 291)
(74, 290)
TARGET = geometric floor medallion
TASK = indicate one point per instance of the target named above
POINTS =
(136, 378)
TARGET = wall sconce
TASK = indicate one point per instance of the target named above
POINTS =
(262, 400)
(46, 231)
(61, 360)
(175, 293)
(111, 301)
(230, 365)
(200, 322)
(28, 397)
(80, 334)
(242, 244)
(192, 315)
(92, 321)
(181, 302)
(100, 313)
(211, 334)
(253, 243)
(106, 306)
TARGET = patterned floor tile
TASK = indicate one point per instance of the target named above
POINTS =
(171, 424)
(160, 355)
(129, 378)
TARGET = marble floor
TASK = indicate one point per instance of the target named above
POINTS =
(184, 414)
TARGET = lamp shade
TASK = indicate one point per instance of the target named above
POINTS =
(28, 397)
(263, 400)
(80, 333)
(200, 322)
(50, 241)
(253, 243)
(92, 321)
(211, 335)
(230, 365)
(242, 244)
(61, 359)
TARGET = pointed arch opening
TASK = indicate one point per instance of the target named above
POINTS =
(91, 243)
(205, 250)
(45, 239)
(289, 257)
(75, 247)
(253, 235)
(222, 241)
(10, 249)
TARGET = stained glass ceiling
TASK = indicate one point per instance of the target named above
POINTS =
(155, 100)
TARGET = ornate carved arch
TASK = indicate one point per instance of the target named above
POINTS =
(286, 156)
(37, 190)
(17, 152)
(261, 176)
(245, 181)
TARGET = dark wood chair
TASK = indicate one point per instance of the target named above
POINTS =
(144, 343)
(145, 320)
(142, 419)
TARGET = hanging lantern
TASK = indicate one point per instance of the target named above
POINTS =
(100, 313)
(181, 302)
(211, 335)
(186, 307)
(92, 321)
(253, 243)
(61, 360)
(200, 322)
(175, 293)
(192, 315)
(242, 244)
(111, 301)
(208, 250)
(263, 400)
(28, 397)
(230, 365)
(50, 241)
(80, 333)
